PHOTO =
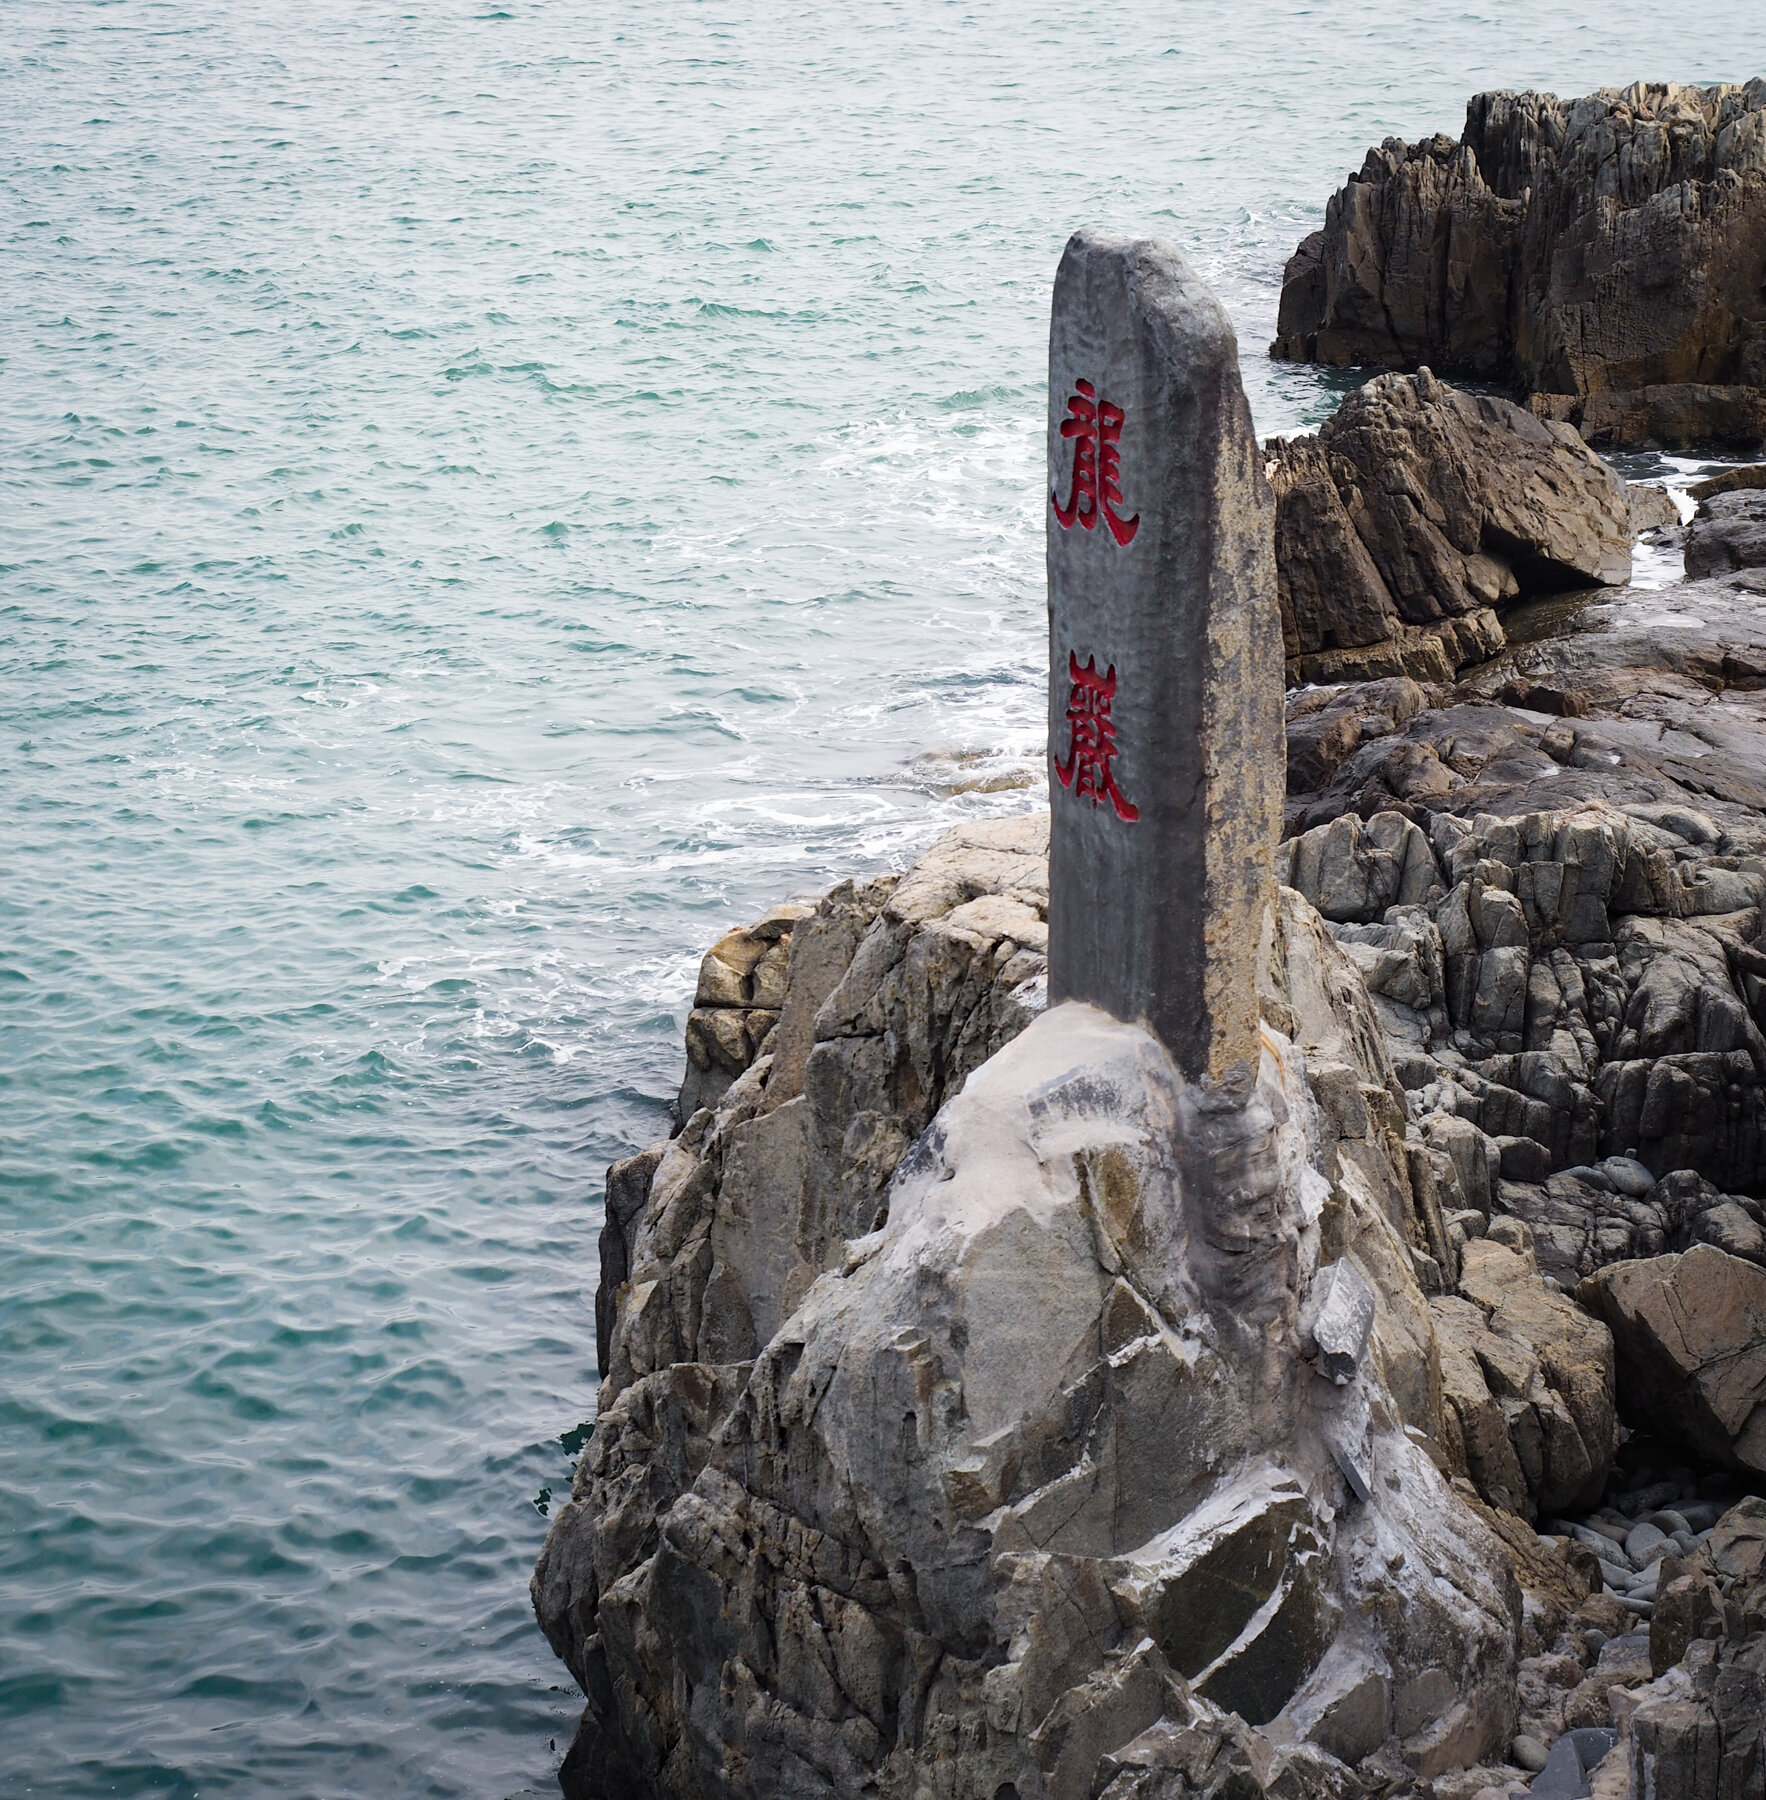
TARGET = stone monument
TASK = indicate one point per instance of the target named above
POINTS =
(1165, 648)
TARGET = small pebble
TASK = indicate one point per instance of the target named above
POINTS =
(1592, 1642)
(1529, 1754)
(1669, 1521)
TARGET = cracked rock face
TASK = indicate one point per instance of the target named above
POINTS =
(1417, 515)
(1039, 1486)
(1605, 253)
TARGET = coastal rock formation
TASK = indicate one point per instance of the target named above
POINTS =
(1417, 514)
(892, 991)
(1605, 254)
(714, 1468)
(1698, 1731)
(1727, 532)
(991, 1411)
(966, 1494)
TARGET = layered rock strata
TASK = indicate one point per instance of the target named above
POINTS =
(1605, 254)
(1418, 515)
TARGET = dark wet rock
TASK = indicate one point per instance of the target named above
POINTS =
(1605, 254)
(1728, 532)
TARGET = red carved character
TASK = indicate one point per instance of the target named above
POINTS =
(1096, 430)
(1092, 747)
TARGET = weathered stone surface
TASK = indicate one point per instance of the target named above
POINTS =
(735, 1006)
(1338, 1317)
(1609, 250)
(1529, 1379)
(1699, 1728)
(1690, 1339)
(894, 991)
(1130, 1497)
(1164, 689)
(1024, 1429)
(628, 1193)
(1727, 532)
(1418, 514)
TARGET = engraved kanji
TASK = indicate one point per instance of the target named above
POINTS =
(1095, 426)
(1091, 746)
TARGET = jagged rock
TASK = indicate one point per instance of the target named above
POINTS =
(893, 991)
(1416, 514)
(628, 1192)
(735, 1006)
(1529, 1379)
(899, 990)
(1728, 532)
(1745, 477)
(1117, 1541)
(1003, 1488)
(1325, 724)
(1698, 1730)
(1609, 250)
(1690, 1339)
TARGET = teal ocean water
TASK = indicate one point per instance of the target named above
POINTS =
(490, 495)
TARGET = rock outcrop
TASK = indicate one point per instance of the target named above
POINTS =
(1559, 917)
(946, 1470)
(1698, 1731)
(1605, 254)
(1418, 514)
(990, 1412)
(1727, 532)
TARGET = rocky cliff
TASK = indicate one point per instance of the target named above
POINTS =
(1606, 255)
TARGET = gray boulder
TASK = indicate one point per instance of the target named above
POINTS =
(1528, 1378)
(1689, 1335)
(1727, 532)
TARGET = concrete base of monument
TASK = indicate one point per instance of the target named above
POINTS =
(1043, 1489)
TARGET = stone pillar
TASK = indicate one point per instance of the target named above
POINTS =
(1166, 753)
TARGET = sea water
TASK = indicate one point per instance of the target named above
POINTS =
(490, 496)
